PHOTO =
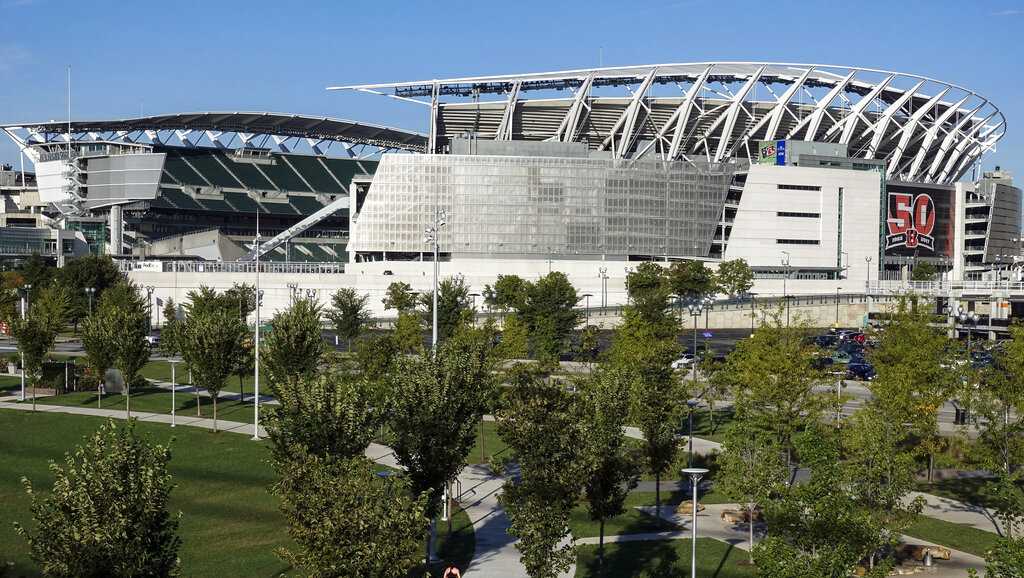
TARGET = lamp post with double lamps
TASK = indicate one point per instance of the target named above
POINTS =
(603, 274)
(587, 296)
(23, 293)
(430, 237)
(697, 304)
(695, 474)
(785, 278)
(90, 291)
(256, 341)
(969, 319)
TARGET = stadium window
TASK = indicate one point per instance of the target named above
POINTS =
(783, 187)
(796, 214)
(797, 242)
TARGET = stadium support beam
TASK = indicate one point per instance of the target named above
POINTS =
(632, 113)
(813, 120)
(733, 113)
(609, 140)
(949, 140)
(581, 101)
(507, 118)
(881, 125)
(679, 119)
(341, 202)
(968, 154)
(932, 134)
(774, 117)
(909, 131)
(849, 122)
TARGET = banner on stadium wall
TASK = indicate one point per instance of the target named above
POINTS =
(772, 152)
(919, 221)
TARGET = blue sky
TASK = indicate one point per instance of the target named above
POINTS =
(188, 55)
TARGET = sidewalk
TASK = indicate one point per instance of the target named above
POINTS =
(957, 512)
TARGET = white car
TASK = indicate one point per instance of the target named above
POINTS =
(685, 361)
(152, 340)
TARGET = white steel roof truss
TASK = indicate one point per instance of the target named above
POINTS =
(932, 133)
(732, 113)
(581, 100)
(909, 127)
(849, 122)
(505, 128)
(947, 142)
(813, 120)
(881, 125)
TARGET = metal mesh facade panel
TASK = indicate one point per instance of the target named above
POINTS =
(545, 206)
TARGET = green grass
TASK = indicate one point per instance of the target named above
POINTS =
(957, 536)
(156, 400)
(493, 445)
(967, 490)
(160, 370)
(230, 523)
(664, 558)
(674, 498)
(458, 546)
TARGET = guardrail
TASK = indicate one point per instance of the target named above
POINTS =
(229, 267)
(946, 286)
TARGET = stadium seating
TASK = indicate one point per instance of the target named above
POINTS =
(251, 177)
(345, 169)
(283, 177)
(279, 208)
(216, 205)
(314, 173)
(207, 165)
(305, 205)
(243, 202)
(180, 170)
(179, 199)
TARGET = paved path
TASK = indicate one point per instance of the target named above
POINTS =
(957, 512)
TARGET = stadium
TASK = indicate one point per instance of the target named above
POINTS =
(816, 175)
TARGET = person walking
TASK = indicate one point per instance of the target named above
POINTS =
(451, 571)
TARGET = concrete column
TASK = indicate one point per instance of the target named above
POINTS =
(116, 223)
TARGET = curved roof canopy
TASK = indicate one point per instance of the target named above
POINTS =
(261, 123)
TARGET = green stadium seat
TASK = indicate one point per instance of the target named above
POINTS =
(180, 199)
(161, 203)
(250, 176)
(179, 169)
(345, 169)
(279, 208)
(216, 205)
(205, 161)
(305, 205)
(314, 173)
(243, 203)
(283, 176)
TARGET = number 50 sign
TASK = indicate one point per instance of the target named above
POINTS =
(911, 221)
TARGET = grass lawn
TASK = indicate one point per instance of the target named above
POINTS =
(967, 490)
(493, 445)
(957, 536)
(160, 370)
(664, 559)
(156, 400)
(230, 523)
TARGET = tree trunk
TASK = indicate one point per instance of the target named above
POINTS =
(128, 399)
(750, 526)
(241, 389)
(199, 402)
(483, 454)
(657, 495)
(33, 396)
(931, 465)
(600, 550)
(711, 412)
(214, 413)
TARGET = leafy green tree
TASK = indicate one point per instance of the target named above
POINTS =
(509, 293)
(96, 271)
(649, 291)
(400, 297)
(437, 402)
(345, 520)
(210, 340)
(454, 306)
(241, 296)
(97, 521)
(375, 355)
(912, 376)
(1005, 560)
(37, 272)
(349, 314)
(772, 379)
(408, 334)
(751, 471)
(515, 338)
(815, 530)
(691, 279)
(609, 468)
(37, 333)
(551, 315)
(98, 346)
(332, 416)
(125, 326)
(734, 277)
(924, 271)
(540, 425)
(589, 343)
(294, 347)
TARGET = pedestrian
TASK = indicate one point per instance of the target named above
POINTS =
(451, 571)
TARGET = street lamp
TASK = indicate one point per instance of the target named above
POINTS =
(174, 386)
(24, 315)
(837, 305)
(603, 273)
(256, 376)
(149, 306)
(587, 296)
(430, 237)
(867, 284)
(90, 291)
(785, 277)
(697, 304)
(695, 475)
(970, 319)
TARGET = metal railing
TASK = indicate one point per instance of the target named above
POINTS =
(229, 267)
(945, 286)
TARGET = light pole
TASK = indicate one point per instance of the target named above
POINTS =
(785, 277)
(430, 237)
(697, 305)
(24, 315)
(90, 291)
(473, 296)
(587, 296)
(256, 376)
(149, 306)
(867, 284)
(837, 305)
(603, 271)
(970, 319)
(695, 475)
(174, 386)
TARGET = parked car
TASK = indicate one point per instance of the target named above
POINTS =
(683, 362)
(980, 359)
(850, 347)
(153, 340)
(826, 341)
(862, 371)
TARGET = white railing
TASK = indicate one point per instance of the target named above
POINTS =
(943, 286)
(229, 267)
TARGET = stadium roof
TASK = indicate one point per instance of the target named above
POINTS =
(924, 129)
(249, 123)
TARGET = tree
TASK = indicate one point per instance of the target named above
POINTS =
(374, 356)
(509, 293)
(37, 332)
(37, 272)
(773, 381)
(345, 520)
(349, 314)
(210, 339)
(242, 297)
(408, 334)
(923, 271)
(550, 314)
(332, 416)
(752, 470)
(609, 469)
(454, 306)
(99, 522)
(400, 297)
(1005, 560)
(437, 402)
(690, 279)
(734, 277)
(912, 379)
(93, 271)
(515, 338)
(99, 348)
(649, 292)
(294, 346)
(125, 327)
(541, 427)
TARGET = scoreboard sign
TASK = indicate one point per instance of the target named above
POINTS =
(919, 221)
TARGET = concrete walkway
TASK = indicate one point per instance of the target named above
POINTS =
(957, 512)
